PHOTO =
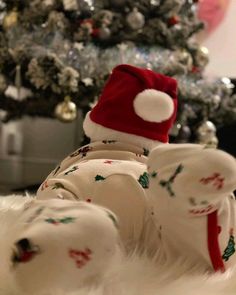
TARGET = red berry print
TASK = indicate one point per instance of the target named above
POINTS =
(108, 162)
(215, 179)
(81, 257)
(44, 185)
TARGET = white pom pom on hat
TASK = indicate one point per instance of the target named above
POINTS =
(136, 101)
(153, 106)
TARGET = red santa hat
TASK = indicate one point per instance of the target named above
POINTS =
(136, 101)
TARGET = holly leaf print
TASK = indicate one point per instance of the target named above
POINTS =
(144, 180)
(99, 178)
(145, 152)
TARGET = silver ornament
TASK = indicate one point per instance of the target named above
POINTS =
(185, 58)
(184, 134)
(104, 33)
(202, 57)
(211, 142)
(135, 19)
(66, 111)
(206, 129)
(206, 134)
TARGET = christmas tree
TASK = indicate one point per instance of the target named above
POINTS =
(56, 55)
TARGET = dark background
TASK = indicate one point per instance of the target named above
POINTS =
(227, 134)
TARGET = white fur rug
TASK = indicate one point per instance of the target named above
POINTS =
(134, 275)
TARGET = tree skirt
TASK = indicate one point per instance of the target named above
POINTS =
(132, 275)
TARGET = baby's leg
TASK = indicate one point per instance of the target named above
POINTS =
(191, 194)
(63, 245)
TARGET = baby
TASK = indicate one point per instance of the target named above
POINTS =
(115, 194)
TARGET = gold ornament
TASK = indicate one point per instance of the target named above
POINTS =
(211, 142)
(186, 59)
(66, 111)
(10, 19)
(202, 57)
(207, 134)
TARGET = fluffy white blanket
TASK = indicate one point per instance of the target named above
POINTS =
(135, 275)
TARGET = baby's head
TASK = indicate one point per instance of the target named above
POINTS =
(137, 106)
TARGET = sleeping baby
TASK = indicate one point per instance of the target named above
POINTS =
(128, 190)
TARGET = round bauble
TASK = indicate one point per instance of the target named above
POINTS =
(104, 33)
(184, 134)
(135, 19)
(206, 134)
(202, 57)
(66, 111)
(211, 142)
(185, 58)
(206, 128)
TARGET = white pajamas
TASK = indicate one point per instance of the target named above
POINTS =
(110, 174)
(184, 196)
(177, 200)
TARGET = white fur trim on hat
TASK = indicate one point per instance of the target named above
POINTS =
(97, 132)
(153, 106)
